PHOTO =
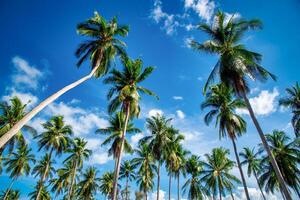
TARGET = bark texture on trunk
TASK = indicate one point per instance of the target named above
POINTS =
(170, 185)
(267, 148)
(262, 193)
(14, 130)
(117, 172)
(158, 180)
(240, 169)
(178, 186)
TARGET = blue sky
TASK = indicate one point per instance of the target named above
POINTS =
(38, 41)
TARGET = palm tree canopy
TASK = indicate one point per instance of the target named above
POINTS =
(126, 89)
(10, 114)
(106, 183)
(236, 63)
(63, 179)
(12, 194)
(127, 170)
(44, 194)
(18, 164)
(44, 166)
(115, 130)
(250, 158)
(104, 44)
(56, 135)
(89, 184)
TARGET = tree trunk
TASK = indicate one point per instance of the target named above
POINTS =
(267, 148)
(220, 192)
(240, 169)
(116, 175)
(262, 193)
(231, 194)
(72, 182)
(44, 176)
(8, 189)
(126, 188)
(158, 180)
(178, 186)
(170, 185)
(14, 130)
(145, 193)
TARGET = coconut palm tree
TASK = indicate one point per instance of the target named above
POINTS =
(293, 101)
(11, 113)
(40, 190)
(145, 162)
(106, 184)
(101, 49)
(79, 153)
(250, 158)
(216, 173)
(88, 186)
(222, 107)
(125, 94)
(18, 164)
(56, 138)
(11, 194)
(127, 172)
(235, 65)
(193, 185)
(286, 153)
(159, 127)
(115, 130)
(62, 182)
(44, 169)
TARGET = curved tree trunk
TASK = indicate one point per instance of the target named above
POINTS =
(240, 169)
(158, 180)
(14, 130)
(267, 148)
(170, 185)
(178, 186)
(8, 189)
(262, 193)
(72, 182)
(43, 178)
(117, 172)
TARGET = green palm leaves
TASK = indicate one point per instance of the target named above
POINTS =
(89, 184)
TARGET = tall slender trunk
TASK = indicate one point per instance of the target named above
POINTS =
(220, 192)
(231, 194)
(178, 186)
(145, 193)
(117, 172)
(127, 188)
(240, 169)
(158, 180)
(41, 182)
(170, 185)
(267, 148)
(262, 193)
(72, 182)
(8, 189)
(15, 129)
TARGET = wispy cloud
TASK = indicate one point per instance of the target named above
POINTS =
(177, 97)
(25, 97)
(180, 114)
(204, 8)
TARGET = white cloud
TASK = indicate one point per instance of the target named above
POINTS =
(162, 195)
(180, 114)
(189, 27)
(26, 75)
(93, 143)
(36, 123)
(254, 193)
(157, 13)
(200, 78)
(187, 42)
(154, 112)
(177, 97)
(263, 104)
(99, 158)
(134, 139)
(100, 155)
(204, 8)
(26, 98)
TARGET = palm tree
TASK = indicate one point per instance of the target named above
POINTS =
(145, 162)
(193, 184)
(79, 153)
(44, 169)
(216, 173)
(235, 65)
(127, 172)
(40, 190)
(293, 101)
(251, 159)
(88, 186)
(286, 153)
(10, 115)
(115, 130)
(55, 138)
(11, 194)
(18, 165)
(222, 107)
(159, 127)
(125, 94)
(106, 184)
(101, 49)
(63, 180)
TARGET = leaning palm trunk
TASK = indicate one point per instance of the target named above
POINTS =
(8, 190)
(240, 169)
(72, 182)
(262, 193)
(170, 185)
(117, 169)
(267, 148)
(231, 194)
(178, 186)
(127, 185)
(43, 177)
(158, 180)
(15, 129)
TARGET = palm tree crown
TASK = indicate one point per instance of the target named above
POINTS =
(89, 184)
